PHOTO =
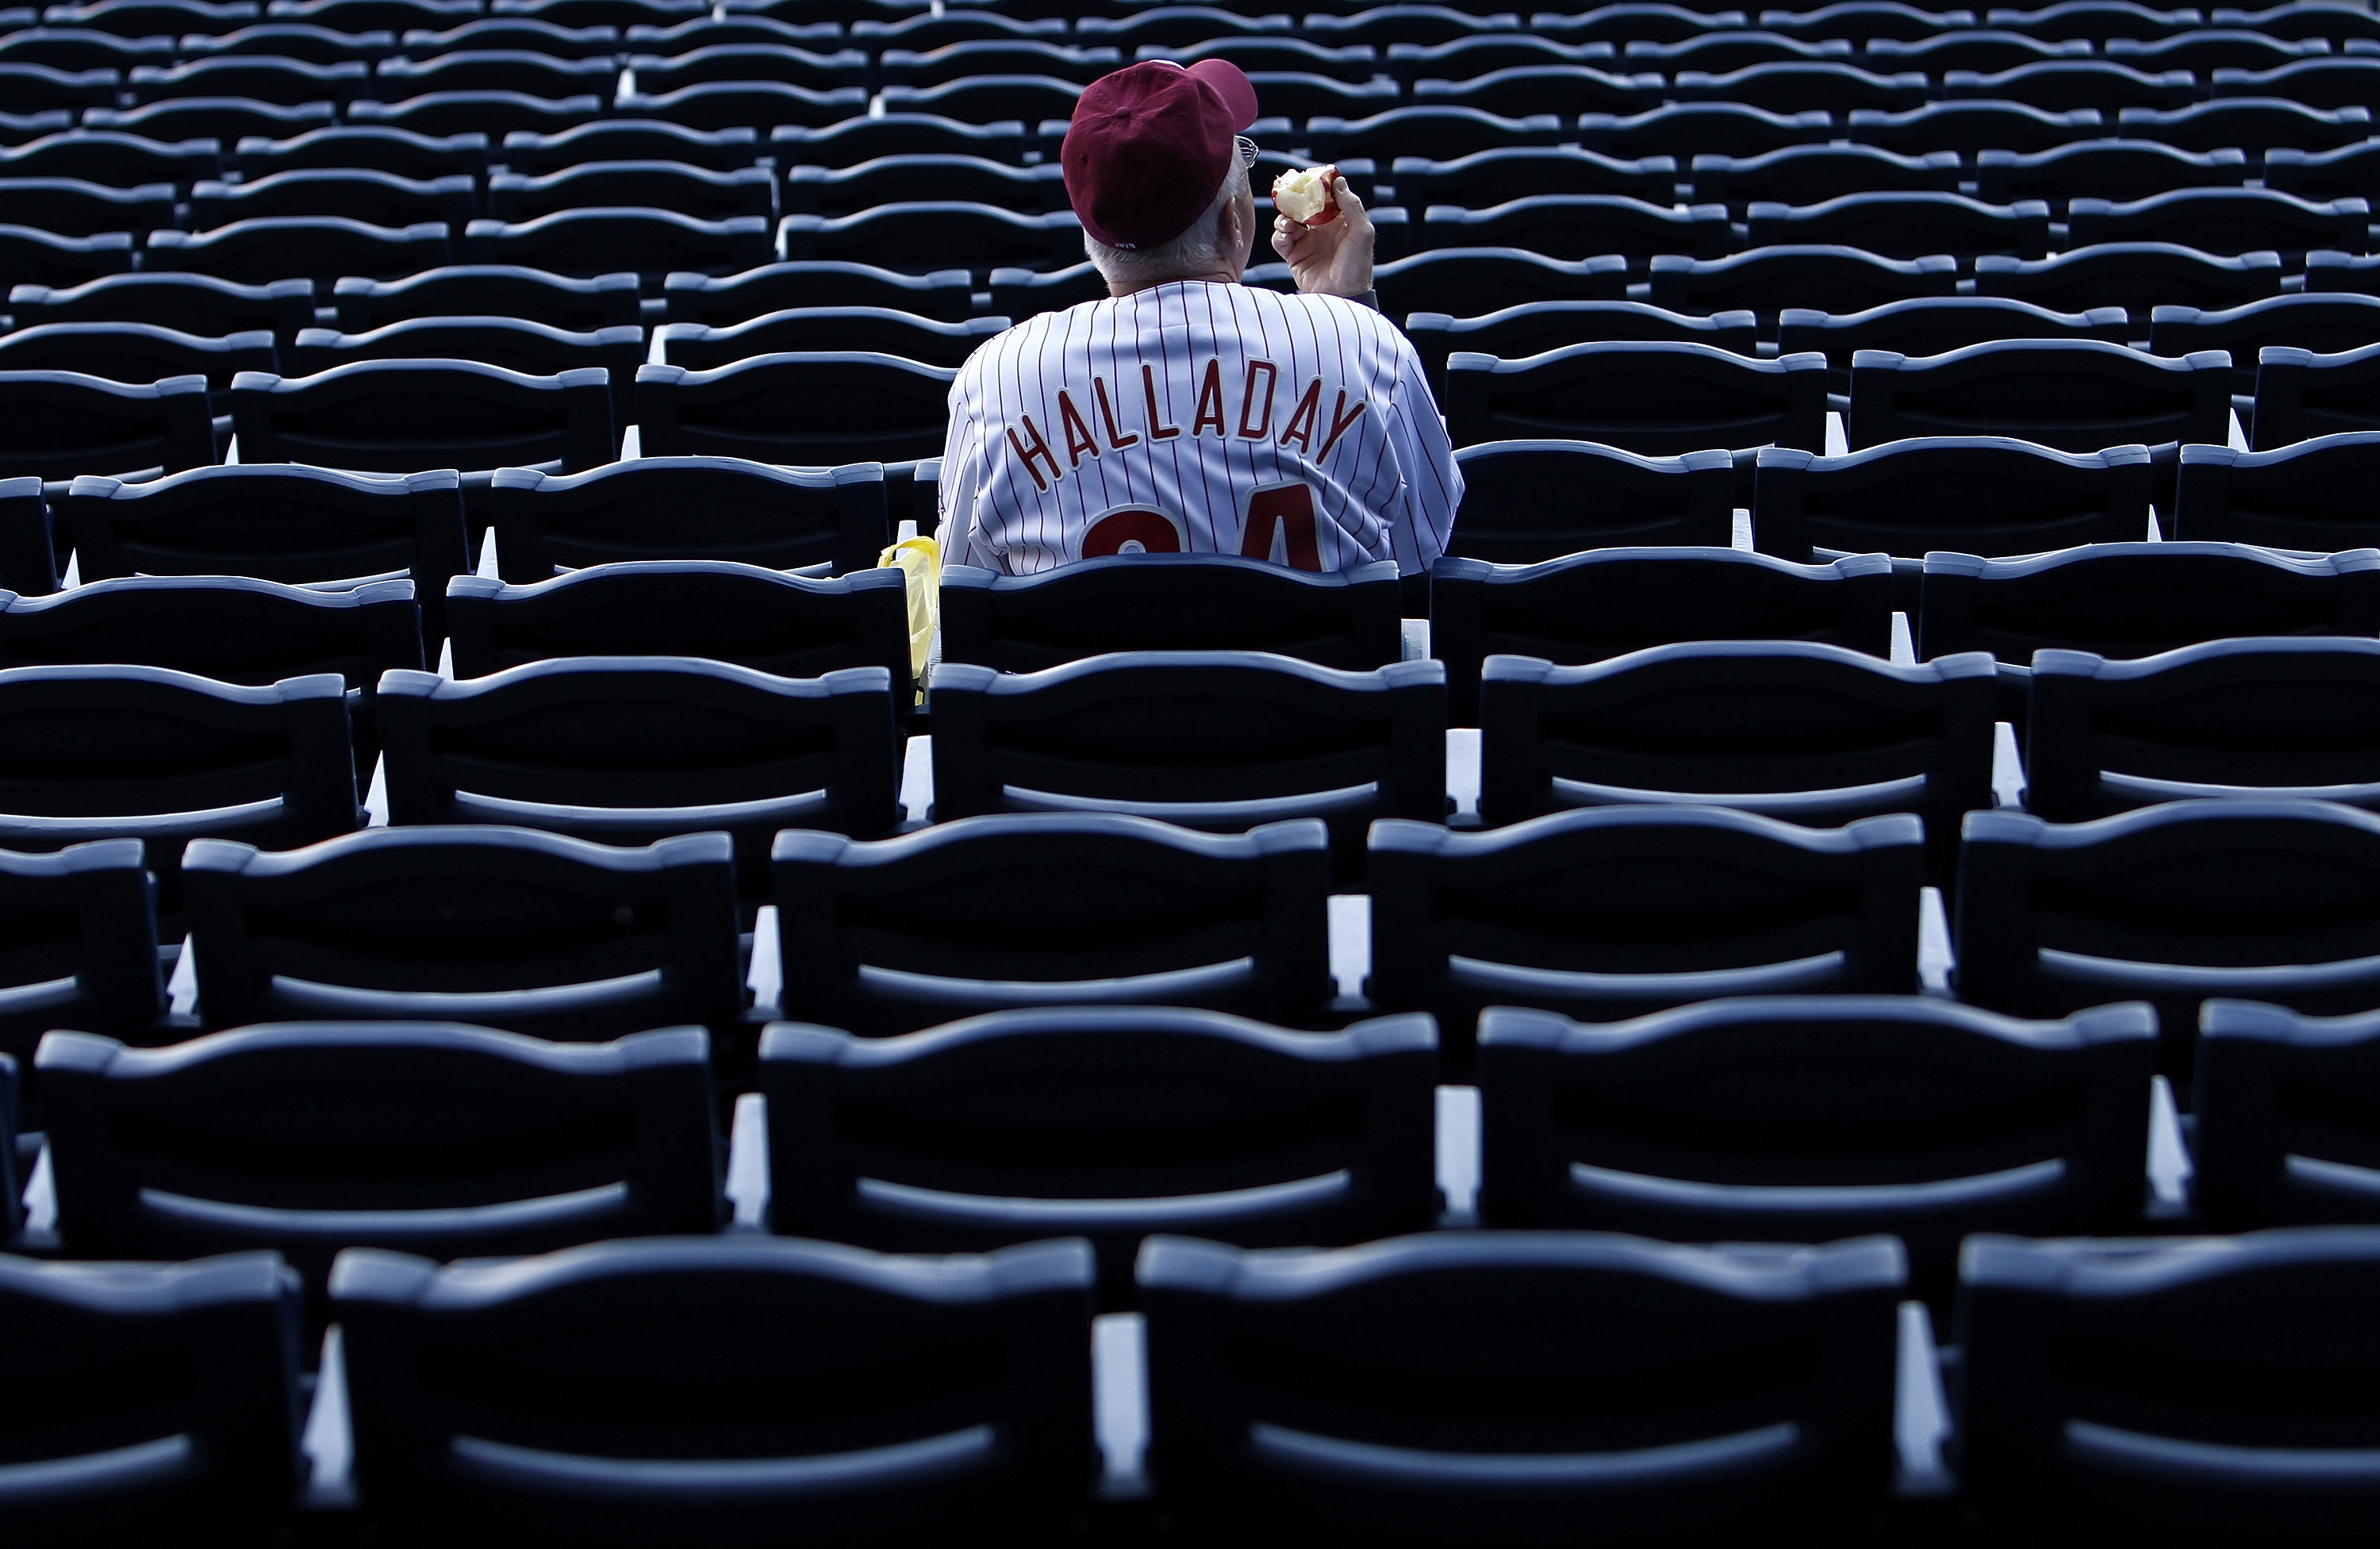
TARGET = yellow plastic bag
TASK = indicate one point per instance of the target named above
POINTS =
(919, 560)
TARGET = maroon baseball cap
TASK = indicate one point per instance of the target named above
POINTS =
(1149, 144)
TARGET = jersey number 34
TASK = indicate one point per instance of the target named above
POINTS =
(1286, 510)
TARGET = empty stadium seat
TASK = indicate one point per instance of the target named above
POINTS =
(1551, 324)
(261, 77)
(1802, 731)
(2124, 599)
(488, 290)
(813, 408)
(1464, 281)
(1723, 47)
(1590, 607)
(182, 1382)
(2211, 48)
(1427, 1387)
(1803, 1118)
(1346, 619)
(982, 98)
(1490, 177)
(673, 186)
(2172, 904)
(495, 69)
(490, 112)
(857, 139)
(2138, 276)
(2305, 495)
(75, 207)
(503, 927)
(2321, 322)
(313, 1136)
(1622, 910)
(2244, 122)
(530, 348)
(2280, 1137)
(2256, 716)
(311, 246)
(880, 330)
(226, 118)
(542, 745)
(2077, 394)
(396, 416)
(1438, 131)
(2223, 221)
(32, 255)
(1106, 1122)
(1971, 124)
(93, 752)
(1937, 325)
(767, 620)
(1581, 226)
(845, 191)
(531, 153)
(1528, 501)
(552, 1395)
(1647, 398)
(600, 239)
(955, 61)
(1810, 174)
(2350, 169)
(54, 425)
(1514, 93)
(373, 147)
(983, 914)
(2117, 169)
(1897, 225)
(1767, 280)
(1969, 493)
(2187, 1385)
(922, 235)
(82, 952)
(819, 521)
(1688, 129)
(135, 352)
(114, 158)
(2300, 395)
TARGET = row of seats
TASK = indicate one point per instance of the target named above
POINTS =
(1649, 1386)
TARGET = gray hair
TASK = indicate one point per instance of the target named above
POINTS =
(1194, 250)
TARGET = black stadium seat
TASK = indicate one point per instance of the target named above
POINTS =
(601, 240)
(487, 69)
(56, 424)
(115, 159)
(260, 76)
(2062, 84)
(573, 1374)
(397, 416)
(2138, 276)
(1490, 177)
(1791, 86)
(2077, 395)
(1581, 225)
(1703, 1124)
(1113, 1122)
(531, 348)
(529, 154)
(853, 140)
(881, 330)
(2117, 169)
(1551, 324)
(1810, 174)
(1528, 501)
(825, 409)
(375, 198)
(983, 914)
(1440, 132)
(2223, 221)
(75, 207)
(953, 61)
(1467, 281)
(531, 932)
(1687, 130)
(943, 295)
(1620, 910)
(924, 235)
(2350, 169)
(671, 186)
(1768, 280)
(845, 191)
(318, 248)
(29, 255)
(1346, 619)
(210, 1347)
(1595, 606)
(819, 520)
(1937, 325)
(2300, 395)
(272, 1126)
(135, 352)
(1729, 48)
(2277, 1140)
(2320, 321)
(1649, 397)
(83, 925)
(1424, 1387)
(488, 290)
(2248, 123)
(1906, 224)
(1514, 92)
(402, 153)
(2308, 494)
(1971, 124)
(489, 112)
(787, 625)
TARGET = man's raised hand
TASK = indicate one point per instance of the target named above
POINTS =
(1332, 259)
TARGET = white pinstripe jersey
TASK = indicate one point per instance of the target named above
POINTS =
(1200, 418)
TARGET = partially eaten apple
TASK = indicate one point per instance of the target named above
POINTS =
(1306, 197)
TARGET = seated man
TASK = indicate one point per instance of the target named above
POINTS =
(1188, 412)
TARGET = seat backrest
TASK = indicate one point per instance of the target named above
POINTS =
(619, 746)
(2103, 1377)
(1525, 502)
(1588, 607)
(884, 329)
(1807, 1117)
(2079, 394)
(1619, 911)
(2171, 904)
(1051, 908)
(1113, 1121)
(178, 1394)
(943, 294)
(2315, 321)
(1464, 281)
(863, 1394)
(2105, 168)
(2282, 716)
(1213, 738)
(1649, 397)
(2285, 1129)
(227, 627)
(58, 424)
(2129, 600)
(1347, 619)
(1550, 325)
(2300, 395)
(277, 522)
(1908, 224)
(2306, 495)
(1937, 325)
(192, 303)
(95, 752)
(308, 1137)
(1414, 1384)
(826, 408)
(507, 927)
(488, 290)
(1967, 494)
(2138, 276)
(77, 947)
(820, 520)
(397, 416)
(767, 620)
(1767, 280)
(1810, 732)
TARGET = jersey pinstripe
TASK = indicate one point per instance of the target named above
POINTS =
(1199, 418)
